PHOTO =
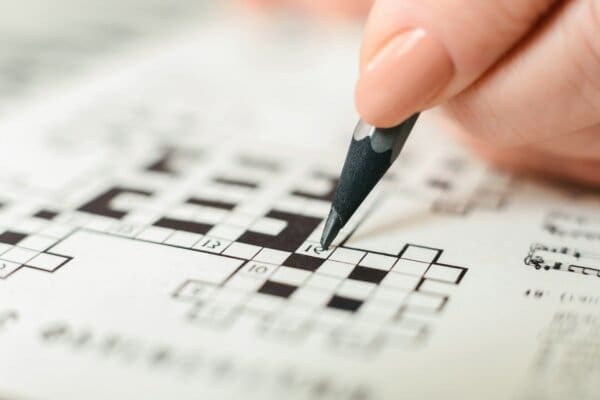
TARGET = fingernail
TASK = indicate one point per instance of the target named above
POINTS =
(406, 74)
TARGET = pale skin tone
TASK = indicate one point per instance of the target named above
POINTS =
(518, 80)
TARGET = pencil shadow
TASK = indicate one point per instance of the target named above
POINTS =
(402, 222)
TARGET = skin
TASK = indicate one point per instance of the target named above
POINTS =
(519, 81)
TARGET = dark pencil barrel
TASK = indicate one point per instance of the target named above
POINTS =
(371, 153)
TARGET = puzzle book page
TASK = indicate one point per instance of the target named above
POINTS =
(159, 238)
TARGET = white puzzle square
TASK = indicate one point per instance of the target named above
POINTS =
(379, 311)
(263, 270)
(355, 289)
(444, 273)
(254, 208)
(19, 255)
(422, 254)
(129, 201)
(403, 331)
(438, 287)
(330, 317)
(245, 282)
(242, 250)
(193, 290)
(314, 249)
(228, 232)
(29, 225)
(57, 230)
(347, 255)
(263, 303)
(317, 208)
(323, 282)
(391, 295)
(335, 268)
(209, 215)
(410, 267)
(185, 212)
(155, 234)
(100, 224)
(142, 217)
(212, 244)
(183, 239)
(37, 242)
(291, 204)
(4, 247)
(214, 313)
(124, 229)
(47, 262)
(311, 296)
(268, 226)
(7, 268)
(272, 256)
(423, 301)
(291, 276)
(356, 337)
(239, 219)
(378, 261)
(401, 281)
(284, 325)
(226, 295)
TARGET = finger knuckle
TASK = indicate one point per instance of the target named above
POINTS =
(583, 36)
(592, 34)
(480, 119)
(521, 14)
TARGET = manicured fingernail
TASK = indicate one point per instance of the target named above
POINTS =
(406, 74)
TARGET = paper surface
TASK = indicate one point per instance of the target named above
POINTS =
(160, 221)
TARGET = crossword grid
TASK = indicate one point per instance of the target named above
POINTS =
(209, 221)
(391, 297)
(288, 288)
(28, 244)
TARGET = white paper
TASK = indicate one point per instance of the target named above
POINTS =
(161, 215)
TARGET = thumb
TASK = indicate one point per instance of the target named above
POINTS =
(417, 53)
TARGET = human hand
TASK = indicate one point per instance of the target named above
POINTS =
(520, 80)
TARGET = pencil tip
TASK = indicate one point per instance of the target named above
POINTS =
(333, 225)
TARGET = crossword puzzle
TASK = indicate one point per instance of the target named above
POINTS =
(27, 247)
(288, 287)
(163, 192)
(355, 300)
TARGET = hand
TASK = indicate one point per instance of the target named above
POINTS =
(519, 79)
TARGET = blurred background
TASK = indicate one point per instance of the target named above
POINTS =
(42, 41)
(49, 48)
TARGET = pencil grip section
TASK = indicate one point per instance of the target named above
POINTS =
(362, 170)
(372, 152)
